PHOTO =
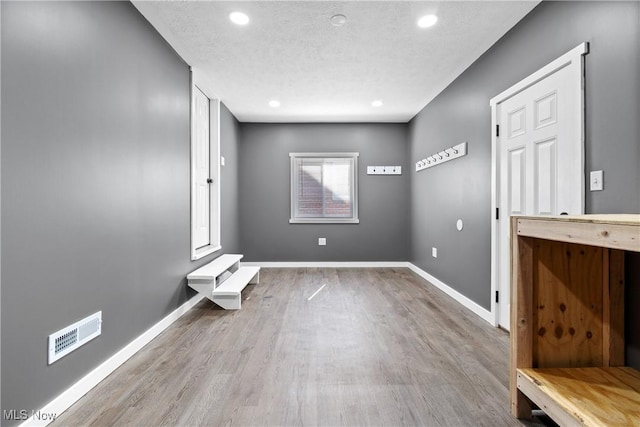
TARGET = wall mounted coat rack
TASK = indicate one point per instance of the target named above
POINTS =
(384, 170)
(442, 156)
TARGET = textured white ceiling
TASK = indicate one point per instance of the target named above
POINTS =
(321, 73)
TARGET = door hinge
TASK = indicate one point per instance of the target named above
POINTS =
(497, 213)
(497, 296)
(497, 130)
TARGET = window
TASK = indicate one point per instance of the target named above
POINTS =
(324, 188)
(205, 174)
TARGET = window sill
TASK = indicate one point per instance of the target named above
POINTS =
(324, 221)
(204, 251)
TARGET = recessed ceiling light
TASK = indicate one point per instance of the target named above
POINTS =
(377, 103)
(338, 20)
(274, 103)
(239, 18)
(427, 21)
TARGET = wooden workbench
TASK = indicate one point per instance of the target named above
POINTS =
(567, 319)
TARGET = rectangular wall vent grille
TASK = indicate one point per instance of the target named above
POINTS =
(73, 336)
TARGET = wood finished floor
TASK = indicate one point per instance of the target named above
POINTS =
(375, 347)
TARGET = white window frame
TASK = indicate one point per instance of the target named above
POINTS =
(354, 219)
(198, 82)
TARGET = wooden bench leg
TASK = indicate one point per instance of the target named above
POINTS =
(521, 406)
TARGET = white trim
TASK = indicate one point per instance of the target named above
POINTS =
(466, 302)
(204, 83)
(325, 221)
(293, 219)
(215, 162)
(83, 386)
(204, 251)
(572, 57)
(338, 155)
(329, 264)
(198, 82)
(495, 193)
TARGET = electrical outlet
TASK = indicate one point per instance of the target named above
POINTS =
(221, 160)
(434, 252)
(322, 241)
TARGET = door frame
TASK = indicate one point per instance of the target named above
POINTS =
(200, 82)
(573, 57)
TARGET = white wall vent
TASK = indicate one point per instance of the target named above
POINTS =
(73, 336)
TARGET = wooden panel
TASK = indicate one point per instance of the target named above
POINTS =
(575, 272)
(521, 316)
(567, 305)
(606, 309)
(615, 349)
(531, 388)
(585, 396)
(614, 236)
(616, 219)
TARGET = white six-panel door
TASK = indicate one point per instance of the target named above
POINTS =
(201, 169)
(540, 157)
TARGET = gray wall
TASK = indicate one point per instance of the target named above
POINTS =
(229, 201)
(266, 234)
(462, 188)
(95, 186)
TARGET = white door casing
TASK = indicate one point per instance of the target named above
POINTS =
(201, 169)
(205, 167)
(537, 157)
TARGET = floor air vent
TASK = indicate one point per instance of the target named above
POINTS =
(73, 336)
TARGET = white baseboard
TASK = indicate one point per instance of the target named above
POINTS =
(75, 392)
(330, 264)
(466, 302)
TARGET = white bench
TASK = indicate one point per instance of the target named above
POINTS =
(222, 280)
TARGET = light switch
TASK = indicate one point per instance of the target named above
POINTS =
(434, 252)
(322, 241)
(596, 181)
